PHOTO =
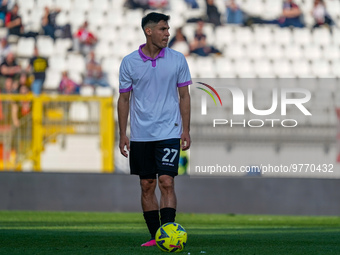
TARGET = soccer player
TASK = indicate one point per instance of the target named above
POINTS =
(153, 86)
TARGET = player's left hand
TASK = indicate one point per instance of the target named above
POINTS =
(186, 141)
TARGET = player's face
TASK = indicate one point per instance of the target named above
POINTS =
(160, 34)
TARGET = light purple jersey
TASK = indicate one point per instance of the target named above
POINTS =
(154, 103)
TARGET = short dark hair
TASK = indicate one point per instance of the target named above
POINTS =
(154, 17)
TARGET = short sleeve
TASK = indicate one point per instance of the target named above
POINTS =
(184, 77)
(125, 81)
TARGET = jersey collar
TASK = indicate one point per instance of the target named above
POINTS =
(146, 58)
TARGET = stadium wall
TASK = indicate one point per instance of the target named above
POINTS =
(120, 193)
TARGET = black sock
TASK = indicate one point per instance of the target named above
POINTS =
(152, 221)
(167, 215)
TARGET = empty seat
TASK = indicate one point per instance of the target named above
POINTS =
(57, 63)
(274, 51)
(301, 68)
(282, 69)
(102, 49)
(224, 68)
(63, 5)
(96, 17)
(263, 68)
(45, 46)
(224, 34)
(44, 3)
(110, 64)
(302, 36)
(104, 91)
(312, 52)
(61, 46)
(86, 91)
(77, 18)
(335, 68)
(293, 52)
(79, 111)
(83, 5)
(263, 35)
(25, 47)
(321, 36)
(321, 68)
(283, 36)
(76, 63)
(53, 79)
(243, 35)
(26, 4)
(234, 51)
(255, 51)
(243, 68)
(205, 67)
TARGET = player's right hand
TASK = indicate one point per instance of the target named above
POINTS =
(124, 141)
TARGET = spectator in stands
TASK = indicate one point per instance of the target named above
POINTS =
(234, 13)
(14, 25)
(38, 66)
(180, 43)
(320, 14)
(213, 14)
(94, 73)
(4, 49)
(291, 16)
(48, 22)
(9, 68)
(193, 4)
(68, 86)
(3, 12)
(200, 46)
(135, 4)
(13, 21)
(84, 40)
(158, 4)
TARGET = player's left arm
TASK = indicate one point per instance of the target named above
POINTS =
(184, 104)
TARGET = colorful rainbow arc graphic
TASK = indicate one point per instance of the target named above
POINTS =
(209, 93)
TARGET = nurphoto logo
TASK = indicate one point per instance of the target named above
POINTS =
(280, 99)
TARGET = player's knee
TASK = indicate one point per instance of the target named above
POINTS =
(148, 185)
(166, 183)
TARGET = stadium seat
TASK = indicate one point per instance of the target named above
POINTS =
(302, 36)
(26, 4)
(61, 46)
(263, 68)
(45, 46)
(312, 52)
(263, 35)
(43, 3)
(96, 17)
(104, 91)
(253, 8)
(86, 91)
(336, 36)
(57, 63)
(115, 18)
(301, 68)
(101, 5)
(107, 33)
(293, 52)
(335, 68)
(224, 35)
(244, 69)
(321, 36)
(333, 8)
(243, 35)
(76, 63)
(274, 51)
(282, 68)
(75, 76)
(62, 18)
(224, 68)
(53, 79)
(205, 67)
(35, 21)
(102, 49)
(79, 111)
(272, 9)
(283, 36)
(234, 51)
(321, 68)
(255, 51)
(83, 5)
(25, 47)
(127, 34)
(120, 49)
(63, 5)
(110, 64)
(77, 18)
(331, 52)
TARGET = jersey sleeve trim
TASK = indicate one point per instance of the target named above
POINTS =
(125, 90)
(184, 83)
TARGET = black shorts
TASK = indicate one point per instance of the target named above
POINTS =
(157, 157)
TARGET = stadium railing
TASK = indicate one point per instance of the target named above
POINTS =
(44, 119)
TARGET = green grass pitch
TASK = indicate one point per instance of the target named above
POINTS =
(26, 233)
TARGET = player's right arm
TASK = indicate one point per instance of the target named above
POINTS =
(123, 113)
